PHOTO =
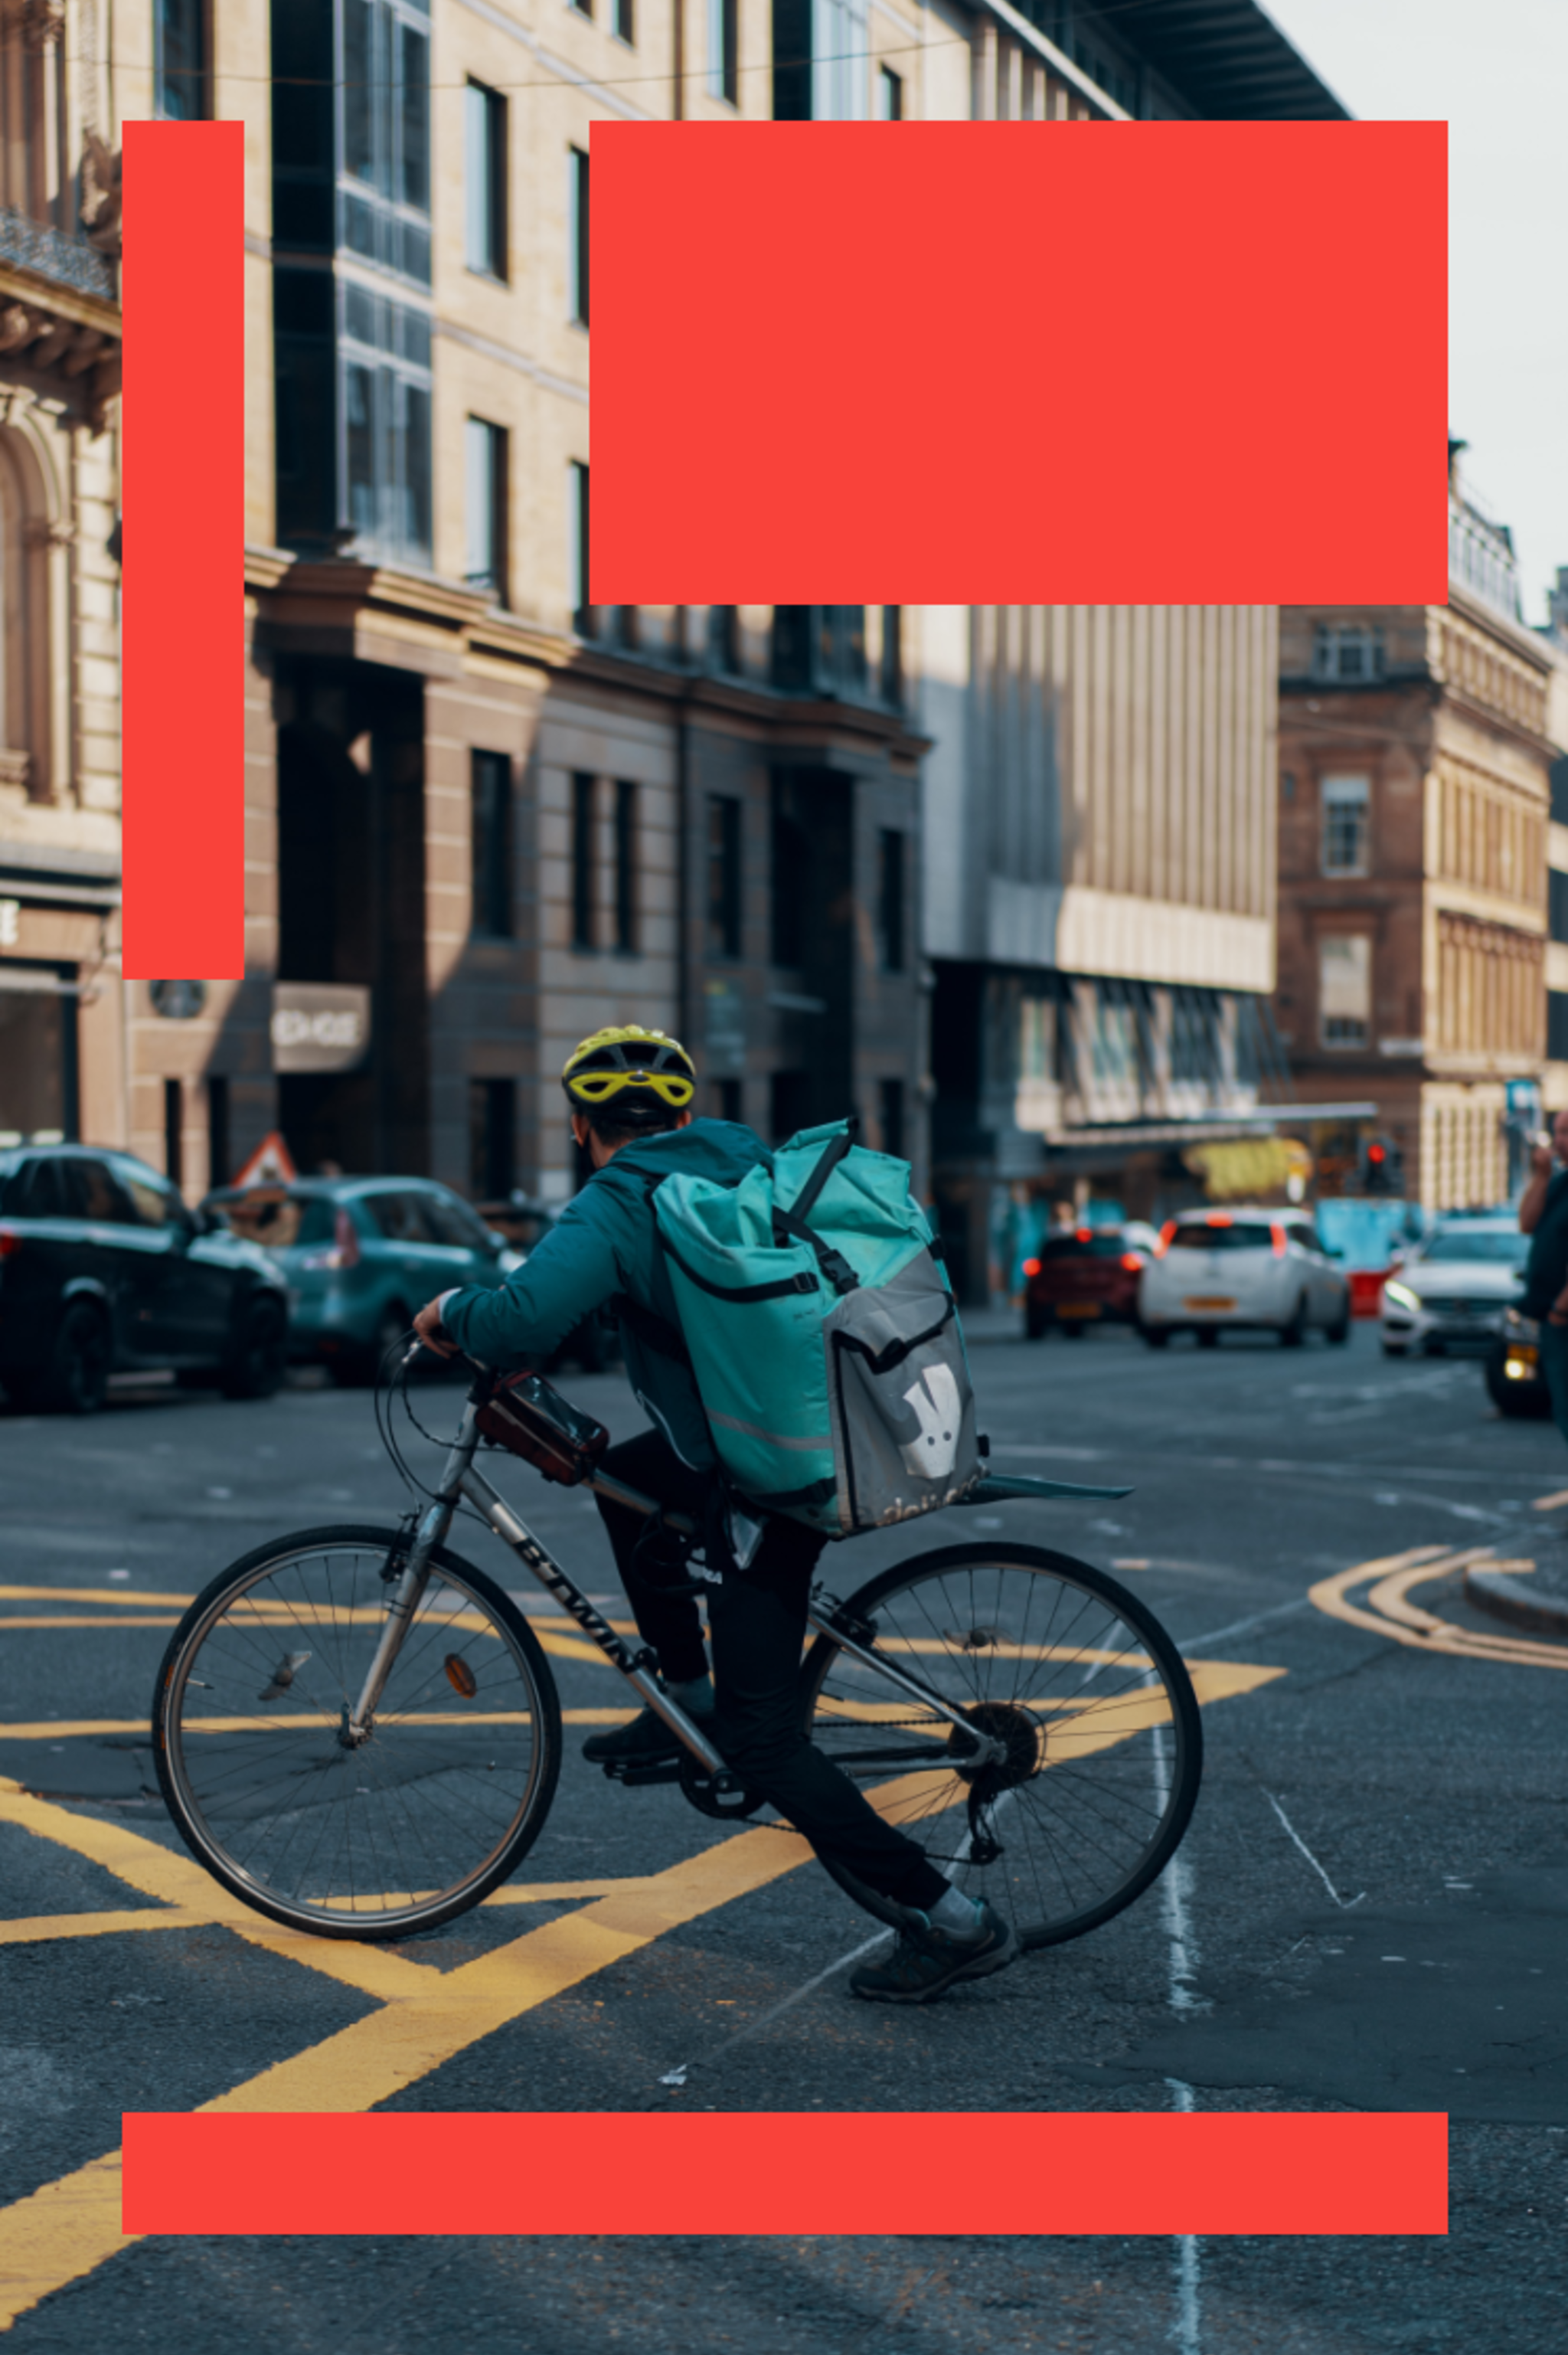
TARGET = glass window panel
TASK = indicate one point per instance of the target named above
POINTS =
(414, 78)
(358, 108)
(480, 453)
(359, 413)
(414, 455)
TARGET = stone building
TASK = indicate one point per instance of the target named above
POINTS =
(1414, 815)
(61, 1045)
(1554, 1080)
(486, 815)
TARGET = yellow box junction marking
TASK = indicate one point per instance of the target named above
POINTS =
(427, 2016)
(1387, 1610)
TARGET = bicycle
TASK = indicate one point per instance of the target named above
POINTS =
(358, 1735)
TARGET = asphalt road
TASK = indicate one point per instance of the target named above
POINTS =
(1369, 1915)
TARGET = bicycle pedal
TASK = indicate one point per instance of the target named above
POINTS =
(665, 1770)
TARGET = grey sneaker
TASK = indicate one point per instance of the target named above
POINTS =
(643, 1743)
(925, 1962)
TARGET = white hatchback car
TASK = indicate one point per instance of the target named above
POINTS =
(1248, 1270)
(1454, 1291)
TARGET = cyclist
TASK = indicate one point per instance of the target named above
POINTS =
(631, 1092)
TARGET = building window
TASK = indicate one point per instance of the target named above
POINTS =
(491, 1139)
(791, 875)
(626, 867)
(180, 60)
(492, 845)
(890, 869)
(1196, 1054)
(1345, 809)
(217, 1161)
(820, 60)
(789, 1105)
(820, 649)
(724, 638)
(1557, 1025)
(891, 681)
(174, 1131)
(384, 185)
(723, 47)
(1344, 989)
(582, 8)
(1347, 652)
(578, 237)
(383, 365)
(485, 162)
(486, 458)
(584, 620)
(584, 878)
(1557, 903)
(726, 1097)
(889, 95)
(892, 1110)
(724, 876)
(625, 23)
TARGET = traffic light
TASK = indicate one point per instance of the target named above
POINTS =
(1382, 1170)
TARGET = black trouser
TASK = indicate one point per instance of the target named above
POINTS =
(756, 1619)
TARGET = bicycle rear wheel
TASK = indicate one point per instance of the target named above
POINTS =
(1076, 1679)
(415, 1823)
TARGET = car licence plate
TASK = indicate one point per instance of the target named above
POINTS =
(1077, 1308)
(1209, 1300)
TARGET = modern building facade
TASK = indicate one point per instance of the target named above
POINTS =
(1098, 833)
(61, 1043)
(1415, 812)
(1554, 1080)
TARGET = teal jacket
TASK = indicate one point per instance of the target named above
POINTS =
(604, 1247)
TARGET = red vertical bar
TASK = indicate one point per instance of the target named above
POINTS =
(183, 598)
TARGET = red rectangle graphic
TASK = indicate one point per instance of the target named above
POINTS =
(1167, 363)
(720, 2172)
(183, 501)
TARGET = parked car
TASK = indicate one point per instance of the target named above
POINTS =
(360, 1256)
(1258, 1270)
(1084, 1277)
(1514, 1381)
(104, 1269)
(1453, 1292)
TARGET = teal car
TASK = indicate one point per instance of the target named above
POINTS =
(360, 1256)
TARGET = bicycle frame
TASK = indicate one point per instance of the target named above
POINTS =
(460, 1482)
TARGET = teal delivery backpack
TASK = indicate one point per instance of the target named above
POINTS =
(822, 1335)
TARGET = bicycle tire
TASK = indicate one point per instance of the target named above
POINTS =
(1164, 1739)
(311, 1771)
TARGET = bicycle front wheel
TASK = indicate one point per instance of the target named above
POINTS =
(355, 1839)
(1100, 1739)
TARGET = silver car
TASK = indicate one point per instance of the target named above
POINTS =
(1453, 1294)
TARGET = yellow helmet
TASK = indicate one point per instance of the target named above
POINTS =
(632, 1077)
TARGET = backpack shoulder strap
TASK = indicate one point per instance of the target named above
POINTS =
(792, 1224)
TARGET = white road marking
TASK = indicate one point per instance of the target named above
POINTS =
(1344, 1902)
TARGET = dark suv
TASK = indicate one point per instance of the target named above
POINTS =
(104, 1269)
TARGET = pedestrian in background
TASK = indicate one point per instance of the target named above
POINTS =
(1543, 1216)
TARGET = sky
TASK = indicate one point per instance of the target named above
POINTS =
(1498, 75)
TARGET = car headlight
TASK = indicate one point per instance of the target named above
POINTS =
(1402, 1296)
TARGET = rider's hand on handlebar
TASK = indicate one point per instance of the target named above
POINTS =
(432, 1332)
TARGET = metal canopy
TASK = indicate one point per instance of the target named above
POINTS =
(1228, 59)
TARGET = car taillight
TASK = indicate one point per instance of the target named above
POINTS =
(344, 1251)
(1085, 1234)
(1132, 1261)
(1219, 1218)
(1277, 1233)
(1163, 1245)
(10, 1243)
(1031, 1267)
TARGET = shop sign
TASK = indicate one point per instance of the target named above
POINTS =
(320, 1026)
